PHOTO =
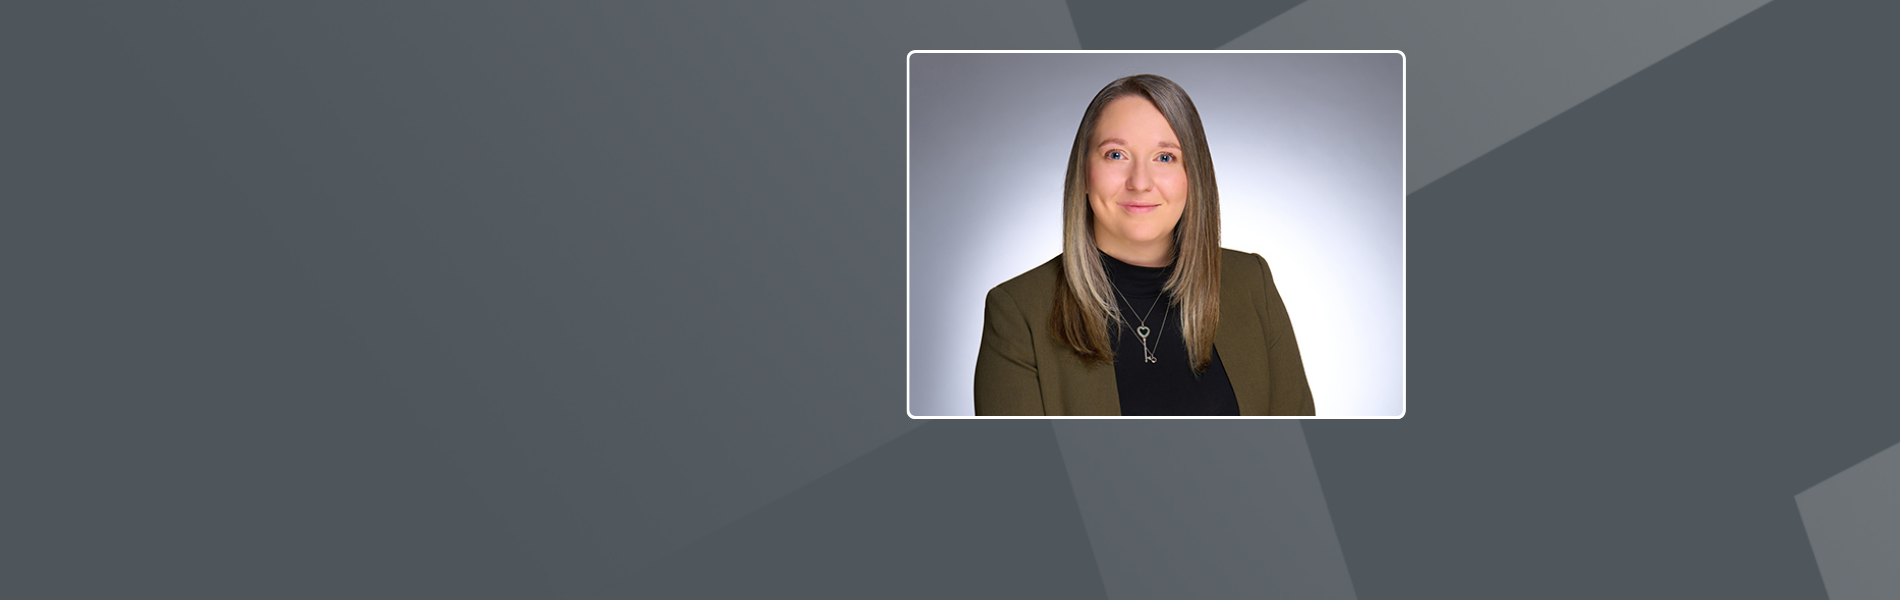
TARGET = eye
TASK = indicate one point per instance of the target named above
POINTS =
(1166, 158)
(1115, 155)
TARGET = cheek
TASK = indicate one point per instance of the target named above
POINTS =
(1175, 189)
(1104, 180)
(1174, 186)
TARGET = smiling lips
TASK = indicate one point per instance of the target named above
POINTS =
(1138, 209)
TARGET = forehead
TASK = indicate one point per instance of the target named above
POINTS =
(1131, 117)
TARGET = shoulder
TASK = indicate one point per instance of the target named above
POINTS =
(1035, 287)
(1230, 256)
(1243, 269)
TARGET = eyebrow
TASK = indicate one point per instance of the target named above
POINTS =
(1119, 141)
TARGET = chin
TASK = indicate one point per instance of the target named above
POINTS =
(1143, 240)
(1148, 238)
(1150, 234)
(1141, 233)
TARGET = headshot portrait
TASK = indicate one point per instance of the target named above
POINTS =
(1182, 234)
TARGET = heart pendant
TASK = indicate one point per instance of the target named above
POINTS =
(1142, 331)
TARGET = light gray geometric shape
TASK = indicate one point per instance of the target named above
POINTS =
(1193, 25)
(1853, 523)
(1203, 509)
(1482, 72)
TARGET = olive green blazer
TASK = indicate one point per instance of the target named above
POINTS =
(1022, 369)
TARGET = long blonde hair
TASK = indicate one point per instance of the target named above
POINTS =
(1085, 304)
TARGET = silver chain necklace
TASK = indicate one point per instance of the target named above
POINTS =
(1142, 331)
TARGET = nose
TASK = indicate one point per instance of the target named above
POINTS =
(1139, 179)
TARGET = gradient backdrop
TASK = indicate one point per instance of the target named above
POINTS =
(606, 300)
(1308, 150)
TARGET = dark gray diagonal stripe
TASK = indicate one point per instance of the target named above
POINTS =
(953, 509)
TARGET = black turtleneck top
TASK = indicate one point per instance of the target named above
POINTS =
(1167, 386)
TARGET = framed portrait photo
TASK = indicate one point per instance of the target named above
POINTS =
(1158, 234)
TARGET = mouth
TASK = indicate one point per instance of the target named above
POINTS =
(1137, 208)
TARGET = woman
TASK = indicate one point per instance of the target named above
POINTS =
(1143, 313)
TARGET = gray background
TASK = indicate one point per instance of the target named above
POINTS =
(1308, 150)
(581, 300)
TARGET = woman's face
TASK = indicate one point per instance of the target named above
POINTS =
(1137, 185)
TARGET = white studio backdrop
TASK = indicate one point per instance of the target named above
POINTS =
(1308, 151)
